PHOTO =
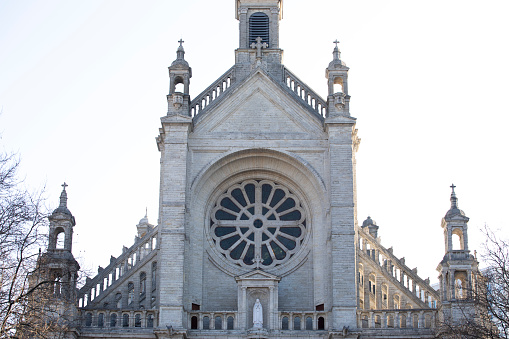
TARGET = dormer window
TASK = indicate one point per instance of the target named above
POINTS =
(259, 27)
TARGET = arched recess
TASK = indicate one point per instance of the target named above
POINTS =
(457, 239)
(60, 238)
(261, 164)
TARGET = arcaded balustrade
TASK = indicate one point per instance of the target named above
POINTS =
(117, 319)
(306, 321)
(211, 93)
(304, 92)
(218, 320)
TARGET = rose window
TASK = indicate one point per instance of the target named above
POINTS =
(258, 223)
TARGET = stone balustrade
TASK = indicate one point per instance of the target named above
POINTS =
(398, 318)
(211, 93)
(305, 93)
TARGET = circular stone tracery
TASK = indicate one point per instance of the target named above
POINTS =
(258, 223)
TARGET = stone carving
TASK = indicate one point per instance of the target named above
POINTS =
(257, 314)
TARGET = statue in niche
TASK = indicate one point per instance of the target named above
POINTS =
(257, 314)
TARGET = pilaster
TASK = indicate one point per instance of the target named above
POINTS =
(342, 215)
(172, 143)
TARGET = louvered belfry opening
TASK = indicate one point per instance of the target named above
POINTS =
(258, 27)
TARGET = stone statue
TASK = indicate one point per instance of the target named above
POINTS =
(257, 314)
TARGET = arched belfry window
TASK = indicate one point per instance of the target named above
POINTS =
(258, 27)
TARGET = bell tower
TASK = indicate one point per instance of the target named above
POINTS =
(180, 75)
(338, 100)
(458, 269)
(258, 37)
(58, 263)
(259, 18)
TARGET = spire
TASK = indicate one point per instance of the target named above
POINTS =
(454, 200)
(180, 50)
(336, 53)
(63, 196)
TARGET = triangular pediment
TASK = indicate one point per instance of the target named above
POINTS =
(258, 275)
(259, 106)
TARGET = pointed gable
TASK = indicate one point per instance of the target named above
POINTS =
(259, 106)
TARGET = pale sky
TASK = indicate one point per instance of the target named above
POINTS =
(83, 85)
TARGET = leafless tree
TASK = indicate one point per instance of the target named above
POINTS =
(23, 230)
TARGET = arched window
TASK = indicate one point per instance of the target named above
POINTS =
(218, 324)
(60, 238)
(385, 296)
(113, 320)
(229, 323)
(206, 323)
(321, 323)
(130, 293)
(118, 300)
(309, 323)
(296, 323)
(284, 323)
(88, 319)
(194, 322)
(100, 320)
(360, 275)
(396, 302)
(143, 284)
(372, 283)
(125, 320)
(150, 320)
(137, 320)
(258, 27)
(154, 275)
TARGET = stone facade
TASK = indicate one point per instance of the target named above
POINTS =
(258, 201)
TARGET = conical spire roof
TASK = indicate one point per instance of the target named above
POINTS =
(62, 207)
(180, 62)
(454, 210)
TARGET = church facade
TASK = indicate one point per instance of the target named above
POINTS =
(257, 234)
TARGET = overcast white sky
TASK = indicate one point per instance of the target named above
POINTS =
(83, 85)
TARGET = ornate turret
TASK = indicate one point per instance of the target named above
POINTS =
(458, 269)
(61, 226)
(143, 226)
(338, 100)
(371, 225)
(180, 75)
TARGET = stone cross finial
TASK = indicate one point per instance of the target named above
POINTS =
(63, 196)
(259, 45)
(454, 200)
(181, 42)
(336, 42)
